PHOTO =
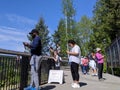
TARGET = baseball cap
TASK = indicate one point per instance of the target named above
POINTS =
(34, 31)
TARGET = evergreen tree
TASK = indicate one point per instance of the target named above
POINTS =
(106, 23)
(60, 36)
(84, 30)
(44, 34)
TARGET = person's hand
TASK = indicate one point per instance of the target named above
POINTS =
(25, 44)
(67, 52)
(102, 56)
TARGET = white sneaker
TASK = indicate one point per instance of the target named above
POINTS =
(96, 74)
(75, 85)
(72, 84)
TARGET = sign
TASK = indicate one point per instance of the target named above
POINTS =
(55, 76)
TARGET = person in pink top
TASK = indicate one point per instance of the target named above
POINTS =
(100, 60)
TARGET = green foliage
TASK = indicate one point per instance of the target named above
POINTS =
(9, 71)
(106, 23)
(84, 31)
(116, 71)
(44, 34)
(69, 12)
(66, 28)
(60, 36)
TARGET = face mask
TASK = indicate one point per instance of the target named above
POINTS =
(33, 35)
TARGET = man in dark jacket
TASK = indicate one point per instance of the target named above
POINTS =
(35, 48)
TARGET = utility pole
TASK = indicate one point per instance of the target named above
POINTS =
(66, 31)
(66, 28)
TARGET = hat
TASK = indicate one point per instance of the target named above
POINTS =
(98, 49)
(34, 31)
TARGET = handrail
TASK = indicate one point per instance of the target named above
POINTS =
(22, 70)
(4, 51)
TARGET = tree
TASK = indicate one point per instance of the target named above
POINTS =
(69, 12)
(84, 30)
(60, 37)
(66, 28)
(106, 22)
(44, 34)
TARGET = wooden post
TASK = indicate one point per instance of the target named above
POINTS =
(24, 72)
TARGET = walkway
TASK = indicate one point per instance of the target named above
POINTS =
(87, 82)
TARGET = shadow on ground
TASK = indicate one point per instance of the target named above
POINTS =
(82, 84)
(48, 87)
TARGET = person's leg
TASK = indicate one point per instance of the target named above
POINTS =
(31, 74)
(84, 71)
(76, 75)
(81, 68)
(32, 70)
(72, 71)
(76, 70)
(94, 69)
(99, 67)
(36, 78)
(87, 69)
(101, 70)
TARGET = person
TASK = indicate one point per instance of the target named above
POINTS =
(51, 60)
(51, 51)
(92, 64)
(58, 49)
(81, 64)
(57, 60)
(35, 48)
(85, 62)
(100, 59)
(74, 60)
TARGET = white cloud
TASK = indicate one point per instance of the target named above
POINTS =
(14, 31)
(12, 39)
(11, 34)
(11, 31)
(20, 19)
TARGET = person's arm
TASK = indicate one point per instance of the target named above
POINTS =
(26, 44)
(51, 50)
(72, 53)
(99, 56)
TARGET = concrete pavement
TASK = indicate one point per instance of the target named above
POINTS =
(87, 82)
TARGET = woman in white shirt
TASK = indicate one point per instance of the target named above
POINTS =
(74, 59)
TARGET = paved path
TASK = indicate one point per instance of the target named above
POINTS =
(87, 82)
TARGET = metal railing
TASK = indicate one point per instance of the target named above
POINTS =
(14, 70)
(113, 57)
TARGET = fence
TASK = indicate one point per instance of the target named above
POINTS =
(14, 70)
(113, 57)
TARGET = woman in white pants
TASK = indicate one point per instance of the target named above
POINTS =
(92, 64)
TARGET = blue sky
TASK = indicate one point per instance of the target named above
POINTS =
(18, 17)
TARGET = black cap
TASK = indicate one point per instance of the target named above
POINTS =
(34, 31)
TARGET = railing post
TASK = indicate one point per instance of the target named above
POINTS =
(118, 48)
(24, 72)
(111, 60)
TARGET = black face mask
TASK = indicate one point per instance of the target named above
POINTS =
(33, 35)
